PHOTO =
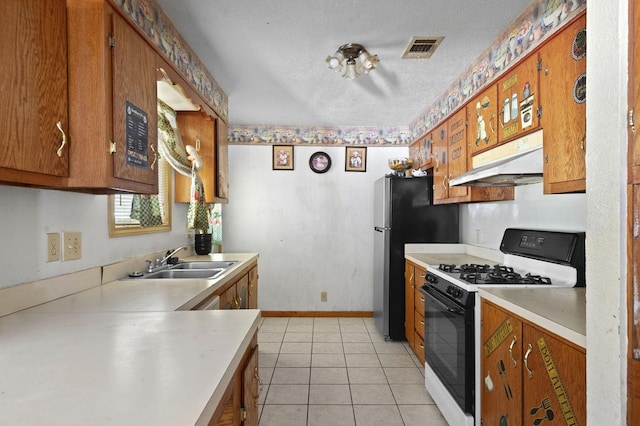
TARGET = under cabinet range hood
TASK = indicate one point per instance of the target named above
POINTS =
(518, 162)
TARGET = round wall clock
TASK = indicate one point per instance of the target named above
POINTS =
(320, 162)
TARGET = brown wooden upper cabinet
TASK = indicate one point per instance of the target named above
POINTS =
(457, 148)
(33, 85)
(420, 151)
(482, 116)
(112, 92)
(450, 159)
(440, 163)
(222, 153)
(563, 82)
(198, 130)
(518, 100)
(202, 128)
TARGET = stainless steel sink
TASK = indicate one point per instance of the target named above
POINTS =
(214, 264)
(184, 274)
(188, 270)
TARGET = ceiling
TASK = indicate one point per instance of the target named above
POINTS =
(269, 55)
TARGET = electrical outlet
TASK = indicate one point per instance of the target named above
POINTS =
(53, 247)
(323, 296)
(72, 245)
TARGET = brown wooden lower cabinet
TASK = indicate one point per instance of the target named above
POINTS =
(414, 308)
(239, 404)
(242, 292)
(529, 375)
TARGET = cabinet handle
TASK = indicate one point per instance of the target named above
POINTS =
(423, 275)
(155, 157)
(583, 143)
(630, 120)
(437, 166)
(513, 342)
(256, 374)
(411, 280)
(422, 322)
(422, 299)
(493, 117)
(64, 139)
(526, 361)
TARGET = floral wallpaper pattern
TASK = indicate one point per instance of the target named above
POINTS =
(541, 19)
(150, 18)
(282, 135)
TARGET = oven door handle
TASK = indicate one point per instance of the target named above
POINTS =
(452, 309)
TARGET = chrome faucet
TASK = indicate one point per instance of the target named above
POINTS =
(164, 260)
(161, 263)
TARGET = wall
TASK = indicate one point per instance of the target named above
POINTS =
(314, 232)
(606, 210)
(27, 214)
(484, 223)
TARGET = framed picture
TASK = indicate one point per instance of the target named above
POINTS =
(282, 157)
(320, 162)
(355, 159)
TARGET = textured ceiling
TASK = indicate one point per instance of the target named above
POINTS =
(269, 55)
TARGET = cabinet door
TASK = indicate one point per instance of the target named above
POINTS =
(251, 385)
(554, 380)
(409, 291)
(242, 290)
(440, 163)
(222, 152)
(33, 85)
(135, 117)
(501, 377)
(253, 288)
(518, 100)
(228, 299)
(415, 154)
(198, 130)
(482, 116)
(457, 151)
(563, 100)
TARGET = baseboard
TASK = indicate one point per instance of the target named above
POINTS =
(316, 313)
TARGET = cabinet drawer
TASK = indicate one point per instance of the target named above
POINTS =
(419, 323)
(419, 348)
(419, 301)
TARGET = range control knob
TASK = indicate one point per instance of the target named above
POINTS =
(454, 291)
(431, 279)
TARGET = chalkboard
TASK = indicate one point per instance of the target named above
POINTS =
(137, 136)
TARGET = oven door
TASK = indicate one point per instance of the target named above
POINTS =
(448, 342)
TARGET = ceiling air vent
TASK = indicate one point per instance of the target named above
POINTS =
(421, 47)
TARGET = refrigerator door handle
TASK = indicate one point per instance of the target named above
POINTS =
(381, 229)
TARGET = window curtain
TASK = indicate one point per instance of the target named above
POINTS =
(172, 149)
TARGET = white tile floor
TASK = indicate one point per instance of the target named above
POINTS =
(339, 371)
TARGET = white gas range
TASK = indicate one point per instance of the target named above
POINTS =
(528, 258)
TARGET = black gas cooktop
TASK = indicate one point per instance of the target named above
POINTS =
(496, 274)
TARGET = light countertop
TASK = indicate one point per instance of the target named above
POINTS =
(435, 254)
(161, 368)
(117, 354)
(135, 295)
(559, 310)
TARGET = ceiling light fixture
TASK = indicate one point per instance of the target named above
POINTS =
(354, 59)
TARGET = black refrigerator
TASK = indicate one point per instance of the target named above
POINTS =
(403, 213)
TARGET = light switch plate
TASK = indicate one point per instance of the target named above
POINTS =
(53, 247)
(72, 245)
